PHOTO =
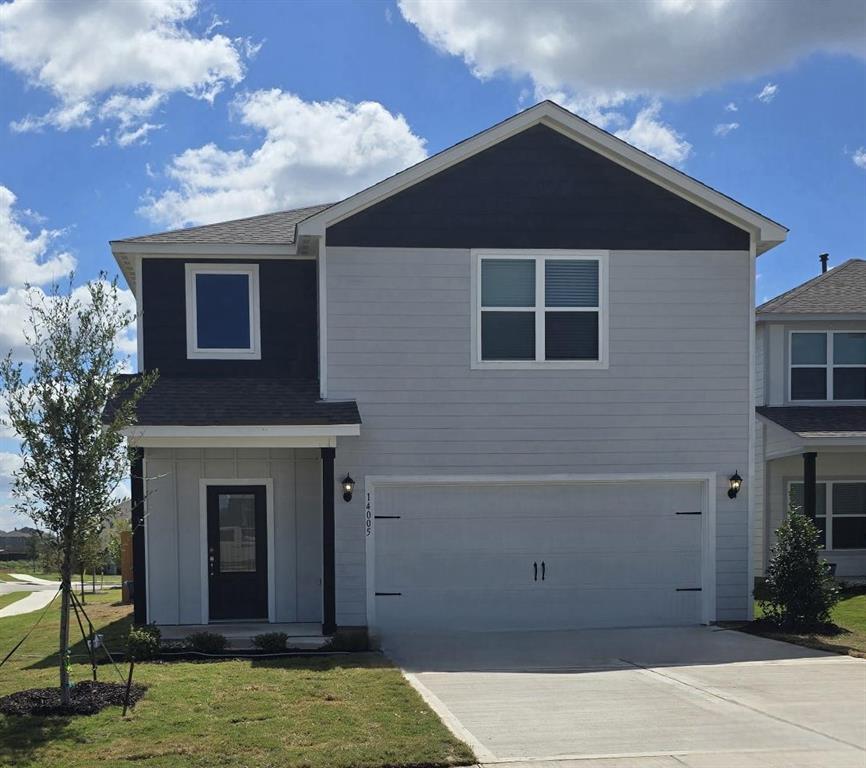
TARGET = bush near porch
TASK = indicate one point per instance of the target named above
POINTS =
(342, 711)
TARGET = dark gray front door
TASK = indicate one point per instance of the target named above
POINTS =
(237, 552)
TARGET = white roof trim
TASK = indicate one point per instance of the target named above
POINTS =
(768, 232)
(253, 436)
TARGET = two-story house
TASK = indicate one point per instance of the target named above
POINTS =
(509, 387)
(811, 397)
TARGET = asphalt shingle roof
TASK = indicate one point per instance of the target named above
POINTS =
(838, 291)
(818, 421)
(268, 229)
(194, 401)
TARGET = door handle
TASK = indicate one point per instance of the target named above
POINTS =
(543, 569)
(535, 570)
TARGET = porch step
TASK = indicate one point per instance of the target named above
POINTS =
(240, 635)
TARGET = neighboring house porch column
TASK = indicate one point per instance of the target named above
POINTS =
(809, 487)
(329, 580)
(139, 575)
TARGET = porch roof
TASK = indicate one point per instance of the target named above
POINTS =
(237, 401)
(813, 422)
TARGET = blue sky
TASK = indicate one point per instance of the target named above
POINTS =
(123, 118)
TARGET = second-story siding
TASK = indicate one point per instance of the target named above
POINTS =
(675, 397)
(289, 336)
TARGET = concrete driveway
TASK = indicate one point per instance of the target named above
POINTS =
(655, 698)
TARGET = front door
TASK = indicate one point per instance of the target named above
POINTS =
(237, 552)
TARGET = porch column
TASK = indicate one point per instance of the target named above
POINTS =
(139, 580)
(809, 488)
(329, 580)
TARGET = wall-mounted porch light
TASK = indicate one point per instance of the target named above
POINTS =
(348, 486)
(736, 481)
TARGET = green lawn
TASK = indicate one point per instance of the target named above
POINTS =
(850, 615)
(333, 712)
(9, 599)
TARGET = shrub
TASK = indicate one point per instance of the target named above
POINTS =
(143, 642)
(800, 591)
(272, 642)
(207, 642)
(349, 640)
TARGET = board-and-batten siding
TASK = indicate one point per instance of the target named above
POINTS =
(173, 527)
(675, 397)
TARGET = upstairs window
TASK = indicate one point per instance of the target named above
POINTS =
(828, 365)
(540, 309)
(222, 311)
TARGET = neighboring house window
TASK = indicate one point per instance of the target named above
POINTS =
(840, 512)
(828, 365)
(540, 309)
(222, 311)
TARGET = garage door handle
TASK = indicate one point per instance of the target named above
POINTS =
(543, 569)
(535, 569)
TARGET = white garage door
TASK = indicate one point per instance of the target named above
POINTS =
(536, 555)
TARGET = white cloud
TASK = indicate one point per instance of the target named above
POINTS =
(767, 93)
(114, 61)
(859, 158)
(311, 152)
(28, 257)
(653, 47)
(731, 107)
(598, 57)
(723, 129)
(9, 463)
(657, 138)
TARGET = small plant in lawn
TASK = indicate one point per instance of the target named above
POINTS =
(207, 642)
(143, 642)
(272, 642)
(799, 590)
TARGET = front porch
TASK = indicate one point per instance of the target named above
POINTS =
(235, 540)
(815, 459)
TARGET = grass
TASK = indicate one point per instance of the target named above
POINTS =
(26, 567)
(11, 598)
(849, 615)
(333, 712)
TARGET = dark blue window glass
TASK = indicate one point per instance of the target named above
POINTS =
(222, 311)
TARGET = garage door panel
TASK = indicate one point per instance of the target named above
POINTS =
(461, 556)
(549, 500)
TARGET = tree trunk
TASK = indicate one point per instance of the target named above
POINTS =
(66, 587)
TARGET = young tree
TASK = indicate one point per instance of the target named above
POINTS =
(800, 591)
(72, 459)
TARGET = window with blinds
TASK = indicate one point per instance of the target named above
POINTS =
(540, 308)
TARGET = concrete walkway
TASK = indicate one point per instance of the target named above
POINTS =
(642, 698)
(26, 577)
(35, 601)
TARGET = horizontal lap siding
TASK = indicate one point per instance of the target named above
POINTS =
(675, 397)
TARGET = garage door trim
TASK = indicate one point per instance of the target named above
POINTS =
(708, 511)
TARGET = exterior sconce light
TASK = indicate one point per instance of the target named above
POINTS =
(736, 481)
(348, 486)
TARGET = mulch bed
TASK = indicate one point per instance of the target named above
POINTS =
(85, 698)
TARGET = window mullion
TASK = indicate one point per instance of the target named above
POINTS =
(830, 361)
(539, 310)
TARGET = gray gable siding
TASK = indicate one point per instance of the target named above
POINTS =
(675, 397)
(537, 189)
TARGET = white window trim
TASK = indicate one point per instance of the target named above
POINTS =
(828, 366)
(193, 352)
(540, 256)
(828, 506)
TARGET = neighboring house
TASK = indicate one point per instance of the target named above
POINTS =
(811, 397)
(533, 354)
(18, 544)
